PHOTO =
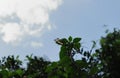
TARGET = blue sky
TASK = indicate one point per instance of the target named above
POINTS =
(77, 18)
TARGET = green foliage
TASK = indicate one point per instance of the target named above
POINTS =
(36, 67)
(10, 67)
(110, 54)
(68, 66)
(103, 62)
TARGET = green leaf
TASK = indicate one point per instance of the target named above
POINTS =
(77, 46)
(76, 40)
(70, 38)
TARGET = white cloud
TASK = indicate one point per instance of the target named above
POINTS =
(33, 18)
(11, 32)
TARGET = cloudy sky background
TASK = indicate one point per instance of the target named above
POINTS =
(30, 26)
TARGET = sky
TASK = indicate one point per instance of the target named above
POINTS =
(30, 26)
